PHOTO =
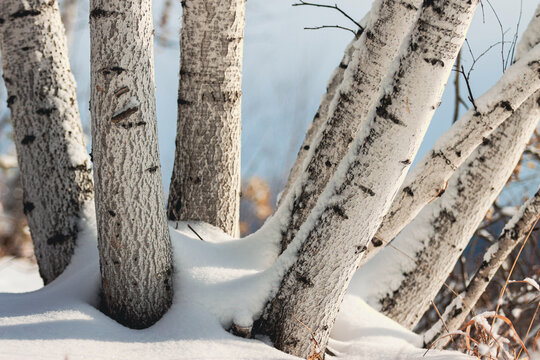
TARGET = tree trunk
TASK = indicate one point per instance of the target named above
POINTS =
(438, 235)
(389, 23)
(54, 163)
(514, 233)
(205, 183)
(429, 178)
(321, 260)
(133, 237)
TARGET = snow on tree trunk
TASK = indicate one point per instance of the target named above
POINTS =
(513, 233)
(55, 168)
(319, 263)
(429, 178)
(389, 23)
(436, 238)
(438, 235)
(205, 183)
(133, 237)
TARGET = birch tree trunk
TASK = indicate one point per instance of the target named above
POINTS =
(513, 234)
(389, 23)
(319, 263)
(54, 164)
(133, 237)
(205, 183)
(429, 178)
(438, 235)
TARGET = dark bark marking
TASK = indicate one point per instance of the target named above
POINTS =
(506, 105)
(431, 3)
(367, 190)
(11, 100)
(113, 214)
(486, 141)
(152, 169)
(121, 91)
(181, 101)
(339, 211)
(306, 147)
(25, 48)
(24, 13)
(28, 207)
(80, 167)
(57, 239)
(304, 280)
(28, 139)
(124, 114)
(406, 162)
(376, 242)
(382, 110)
(408, 190)
(99, 13)
(45, 111)
(434, 61)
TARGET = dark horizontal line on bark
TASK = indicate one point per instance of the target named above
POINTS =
(121, 91)
(58, 239)
(28, 139)
(80, 167)
(113, 69)
(128, 126)
(28, 207)
(152, 169)
(124, 114)
(11, 100)
(45, 111)
(100, 13)
(24, 13)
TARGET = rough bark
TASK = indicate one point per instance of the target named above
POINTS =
(321, 260)
(436, 238)
(429, 178)
(513, 234)
(321, 116)
(133, 237)
(55, 168)
(205, 184)
(389, 23)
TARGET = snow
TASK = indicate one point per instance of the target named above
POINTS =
(217, 281)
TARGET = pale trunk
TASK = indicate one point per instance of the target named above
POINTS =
(205, 183)
(513, 234)
(133, 237)
(319, 263)
(428, 180)
(55, 168)
(389, 23)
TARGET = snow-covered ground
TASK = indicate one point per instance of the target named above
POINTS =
(217, 281)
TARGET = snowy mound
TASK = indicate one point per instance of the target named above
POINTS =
(218, 281)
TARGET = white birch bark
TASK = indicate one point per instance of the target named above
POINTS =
(133, 237)
(55, 168)
(513, 234)
(205, 183)
(324, 255)
(429, 178)
(437, 236)
(389, 23)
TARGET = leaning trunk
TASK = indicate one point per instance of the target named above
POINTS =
(205, 183)
(321, 260)
(55, 168)
(133, 237)
(389, 23)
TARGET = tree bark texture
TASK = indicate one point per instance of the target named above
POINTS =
(327, 250)
(448, 223)
(205, 183)
(133, 236)
(429, 178)
(513, 234)
(55, 168)
(389, 23)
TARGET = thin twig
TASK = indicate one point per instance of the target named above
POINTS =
(471, 98)
(192, 229)
(335, 7)
(330, 26)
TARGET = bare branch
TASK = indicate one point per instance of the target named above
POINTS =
(330, 27)
(335, 7)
